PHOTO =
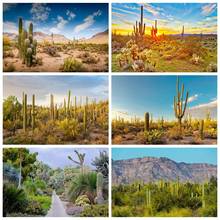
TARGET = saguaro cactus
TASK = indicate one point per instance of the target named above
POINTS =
(99, 188)
(139, 28)
(85, 120)
(146, 121)
(180, 104)
(201, 129)
(148, 198)
(68, 104)
(51, 107)
(154, 30)
(24, 112)
(203, 195)
(33, 113)
(183, 29)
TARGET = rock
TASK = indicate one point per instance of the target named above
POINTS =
(74, 210)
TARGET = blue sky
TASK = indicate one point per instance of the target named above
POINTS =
(73, 20)
(135, 95)
(57, 157)
(196, 17)
(95, 87)
(187, 155)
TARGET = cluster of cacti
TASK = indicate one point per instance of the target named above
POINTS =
(26, 44)
(139, 28)
(180, 104)
(154, 30)
(99, 189)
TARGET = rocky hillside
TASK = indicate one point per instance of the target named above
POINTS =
(151, 169)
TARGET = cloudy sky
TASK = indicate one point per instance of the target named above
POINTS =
(58, 157)
(135, 95)
(95, 87)
(187, 155)
(72, 20)
(196, 17)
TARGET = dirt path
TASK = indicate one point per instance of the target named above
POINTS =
(57, 209)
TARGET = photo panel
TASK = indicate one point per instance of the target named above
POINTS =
(55, 182)
(174, 110)
(164, 182)
(55, 37)
(55, 110)
(164, 37)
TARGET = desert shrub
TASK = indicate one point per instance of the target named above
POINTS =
(212, 67)
(72, 65)
(208, 211)
(82, 200)
(70, 128)
(14, 199)
(176, 212)
(43, 200)
(95, 211)
(211, 133)
(34, 208)
(174, 133)
(88, 58)
(153, 136)
(118, 211)
(196, 59)
(8, 53)
(6, 41)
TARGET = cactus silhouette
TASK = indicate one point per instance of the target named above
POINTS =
(139, 28)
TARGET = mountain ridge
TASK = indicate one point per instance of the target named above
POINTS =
(152, 169)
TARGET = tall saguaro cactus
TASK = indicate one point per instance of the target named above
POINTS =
(180, 104)
(146, 121)
(139, 28)
(68, 104)
(183, 29)
(24, 110)
(51, 107)
(33, 113)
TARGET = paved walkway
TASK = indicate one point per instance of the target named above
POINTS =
(57, 209)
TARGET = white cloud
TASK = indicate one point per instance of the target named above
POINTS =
(87, 22)
(8, 6)
(200, 111)
(70, 15)
(10, 27)
(208, 9)
(61, 22)
(154, 11)
(39, 11)
(193, 98)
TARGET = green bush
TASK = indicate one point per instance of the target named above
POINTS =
(95, 211)
(121, 211)
(34, 208)
(44, 201)
(14, 199)
(72, 65)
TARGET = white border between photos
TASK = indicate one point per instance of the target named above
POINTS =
(110, 74)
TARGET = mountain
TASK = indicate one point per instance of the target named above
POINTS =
(152, 169)
(99, 38)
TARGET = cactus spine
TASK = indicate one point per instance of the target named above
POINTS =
(146, 121)
(201, 129)
(180, 104)
(24, 112)
(99, 187)
(33, 113)
(139, 28)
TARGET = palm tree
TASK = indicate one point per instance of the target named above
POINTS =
(81, 158)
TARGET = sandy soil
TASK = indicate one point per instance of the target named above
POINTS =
(53, 64)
